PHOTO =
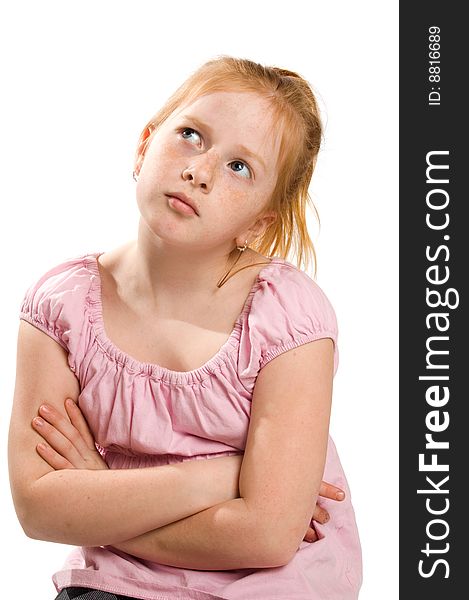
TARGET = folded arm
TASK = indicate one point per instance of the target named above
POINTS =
(70, 444)
(94, 507)
(223, 531)
(280, 475)
(245, 532)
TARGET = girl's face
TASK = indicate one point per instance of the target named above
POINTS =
(220, 151)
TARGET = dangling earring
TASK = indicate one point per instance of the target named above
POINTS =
(227, 275)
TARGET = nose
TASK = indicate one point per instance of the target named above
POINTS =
(202, 171)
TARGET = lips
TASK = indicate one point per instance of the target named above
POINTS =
(185, 199)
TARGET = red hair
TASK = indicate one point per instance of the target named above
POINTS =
(295, 112)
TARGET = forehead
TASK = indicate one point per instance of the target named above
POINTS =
(246, 118)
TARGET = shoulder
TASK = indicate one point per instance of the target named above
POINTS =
(285, 287)
(54, 300)
(62, 278)
(289, 309)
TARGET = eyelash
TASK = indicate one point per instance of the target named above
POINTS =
(182, 129)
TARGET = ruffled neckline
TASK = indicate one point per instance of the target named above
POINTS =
(94, 301)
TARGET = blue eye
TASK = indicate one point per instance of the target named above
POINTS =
(190, 132)
(239, 162)
(188, 129)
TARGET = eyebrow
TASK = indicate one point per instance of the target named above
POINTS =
(241, 147)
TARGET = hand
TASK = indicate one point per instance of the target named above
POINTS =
(70, 442)
(326, 490)
(72, 446)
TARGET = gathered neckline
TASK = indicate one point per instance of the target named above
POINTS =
(94, 300)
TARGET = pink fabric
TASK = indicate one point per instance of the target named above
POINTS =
(144, 415)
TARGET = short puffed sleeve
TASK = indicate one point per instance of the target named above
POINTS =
(54, 303)
(288, 309)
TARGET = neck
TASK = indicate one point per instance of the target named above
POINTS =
(159, 270)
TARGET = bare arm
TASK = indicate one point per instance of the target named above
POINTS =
(180, 543)
(88, 507)
(70, 444)
(278, 489)
(177, 543)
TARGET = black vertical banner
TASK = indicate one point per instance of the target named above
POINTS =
(433, 259)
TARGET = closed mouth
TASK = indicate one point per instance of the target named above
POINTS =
(186, 200)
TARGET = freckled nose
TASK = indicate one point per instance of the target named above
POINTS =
(203, 170)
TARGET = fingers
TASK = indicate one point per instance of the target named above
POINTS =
(65, 427)
(53, 458)
(57, 441)
(320, 514)
(69, 437)
(79, 422)
(311, 535)
(92, 458)
(327, 490)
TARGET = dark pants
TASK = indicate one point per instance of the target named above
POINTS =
(88, 594)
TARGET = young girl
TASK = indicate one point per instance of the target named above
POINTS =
(165, 349)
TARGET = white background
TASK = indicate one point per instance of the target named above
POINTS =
(80, 80)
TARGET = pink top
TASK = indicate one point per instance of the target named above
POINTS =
(149, 415)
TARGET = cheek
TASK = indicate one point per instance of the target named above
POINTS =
(239, 211)
(161, 155)
(163, 152)
(238, 189)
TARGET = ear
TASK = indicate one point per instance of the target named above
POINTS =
(142, 147)
(262, 223)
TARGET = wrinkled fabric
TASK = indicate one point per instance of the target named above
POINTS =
(143, 415)
(72, 593)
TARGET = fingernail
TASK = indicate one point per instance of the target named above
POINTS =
(38, 422)
(340, 496)
(69, 402)
(44, 408)
(42, 446)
